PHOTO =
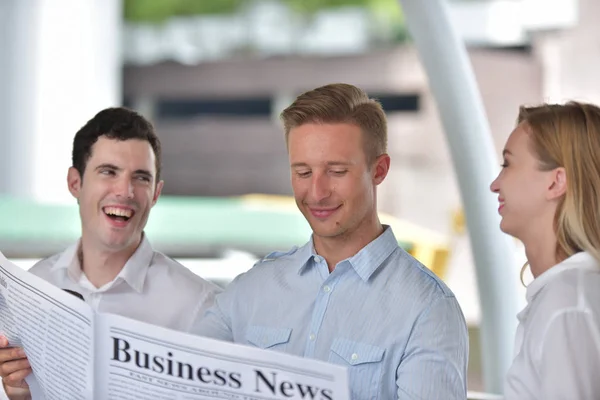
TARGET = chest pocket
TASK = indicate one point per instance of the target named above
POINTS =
(268, 338)
(364, 363)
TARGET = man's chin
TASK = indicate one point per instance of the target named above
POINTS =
(327, 232)
(119, 243)
(117, 246)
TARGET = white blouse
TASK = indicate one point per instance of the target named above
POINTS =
(557, 346)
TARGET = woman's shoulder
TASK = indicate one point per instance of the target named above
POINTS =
(573, 291)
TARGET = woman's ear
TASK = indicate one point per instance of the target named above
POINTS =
(558, 184)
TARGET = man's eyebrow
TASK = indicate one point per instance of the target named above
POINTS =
(299, 164)
(113, 167)
(329, 163)
(339, 163)
(107, 166)
(144, 172)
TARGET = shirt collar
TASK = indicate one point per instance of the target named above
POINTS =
(136, 268)
(69, 261)
(365, 262)
(581, 260)
(134, 272)
(306, 253)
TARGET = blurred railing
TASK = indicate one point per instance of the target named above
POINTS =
(483, 396)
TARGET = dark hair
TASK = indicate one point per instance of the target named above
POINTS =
(115, 123)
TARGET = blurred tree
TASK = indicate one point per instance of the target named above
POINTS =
(389, 7)
(390, 16)
(160, 10)
(312, 6)
(386, 12)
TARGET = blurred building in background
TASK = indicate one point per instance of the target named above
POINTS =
(214, 85)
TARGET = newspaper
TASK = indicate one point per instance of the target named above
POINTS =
(78, 354)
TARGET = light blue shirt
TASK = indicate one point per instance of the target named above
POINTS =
(396, 327)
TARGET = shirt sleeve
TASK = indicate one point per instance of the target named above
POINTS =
(434, 364)
(570, 358)
(216, 321)
(204, 304)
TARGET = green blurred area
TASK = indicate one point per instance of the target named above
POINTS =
(386, 16)
(160, 10)
(193, 226)
(198, 227)
(181, 226)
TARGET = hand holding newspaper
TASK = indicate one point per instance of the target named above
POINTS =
(77, 354)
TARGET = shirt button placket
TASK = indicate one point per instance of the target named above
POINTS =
(318, 313)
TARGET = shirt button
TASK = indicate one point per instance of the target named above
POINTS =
(326, 289)
(312, 336)
(354, 357)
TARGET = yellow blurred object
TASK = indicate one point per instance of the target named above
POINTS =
(429, 247)
(433, 257)
(271, 201)
(458, 221)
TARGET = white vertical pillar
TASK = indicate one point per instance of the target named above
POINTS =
(17, 93)
(63, 66)
(461, 110)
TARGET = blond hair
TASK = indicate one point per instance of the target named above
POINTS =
(341, 103)
(568, 136)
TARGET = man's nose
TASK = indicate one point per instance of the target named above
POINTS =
(320, 187)
(124, 188)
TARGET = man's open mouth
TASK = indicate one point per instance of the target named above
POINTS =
(118, 213)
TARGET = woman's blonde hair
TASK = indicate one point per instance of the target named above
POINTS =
(568, 136)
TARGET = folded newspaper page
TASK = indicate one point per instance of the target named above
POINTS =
(77, 354)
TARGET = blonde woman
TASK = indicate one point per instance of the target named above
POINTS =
(549, 195)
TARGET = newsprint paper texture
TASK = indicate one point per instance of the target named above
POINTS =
(77, 354)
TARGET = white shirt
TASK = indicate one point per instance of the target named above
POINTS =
(151, 287)
(558, 338)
